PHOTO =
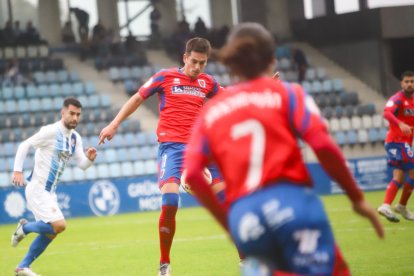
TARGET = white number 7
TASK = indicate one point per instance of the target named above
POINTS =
(255, 129)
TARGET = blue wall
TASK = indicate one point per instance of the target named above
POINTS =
(121, 195)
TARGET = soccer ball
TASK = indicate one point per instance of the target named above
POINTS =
(187, 187)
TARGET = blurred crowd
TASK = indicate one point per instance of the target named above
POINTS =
(14, 35)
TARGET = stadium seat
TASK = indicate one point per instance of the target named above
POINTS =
(103, 171)
(327, 86)
(377, 121)
(345, 123)
(362, 136)
(77, 88)
(74, 76)
(78, 174)
(31, 91)
(32, 51)
(139, 168)
(91, 173)
(310, 74)
(62, 76)
(19, 92)
(367, 121)
(124, 73)
(51, 77)
(352, 137)
(127, 169)
(43, 51)
(334, 124)
(90, 88)
(7, 93)
(114, 74)
(338, 85)
(320, 73)
(151, 167)
(5, 179)
(356, 122)
(373, 135)
(110, 155)
(383, 133)
(134, 153)
(115, 170)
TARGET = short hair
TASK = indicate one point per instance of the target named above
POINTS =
(199, 45)
(249, 50)
(72, 101)
(407, 74)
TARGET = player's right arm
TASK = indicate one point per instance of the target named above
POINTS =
(195, 159)
(152, 86)
(130, 106)
(38, 140)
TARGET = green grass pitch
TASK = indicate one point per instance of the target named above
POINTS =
(128, 245)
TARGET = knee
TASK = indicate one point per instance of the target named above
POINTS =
(59, 227)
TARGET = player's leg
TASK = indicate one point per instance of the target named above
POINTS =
(49, 222)
(401, 207)
(395, 159)
(170, 159)
(287, 225)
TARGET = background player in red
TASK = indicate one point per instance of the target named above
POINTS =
(399, 112)
(251, 132)
(181, 93)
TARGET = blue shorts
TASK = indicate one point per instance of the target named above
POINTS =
(400, 156)
(170, 164)
(286, 226)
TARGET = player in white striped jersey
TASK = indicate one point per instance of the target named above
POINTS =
(55, 144)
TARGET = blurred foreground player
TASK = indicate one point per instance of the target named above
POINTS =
(55, 144)
(399, 112)
(181, 93)
(251, 131)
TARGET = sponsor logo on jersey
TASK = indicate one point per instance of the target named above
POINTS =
(176, 81)
(202, 83)
(409, 112)
(187, 90)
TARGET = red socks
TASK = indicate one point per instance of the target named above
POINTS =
(391, 192)
(406, 193)
(166, 227)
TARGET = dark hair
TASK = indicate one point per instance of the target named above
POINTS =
(199, 45)
(72, 101)
(407, 74)
(249, 50)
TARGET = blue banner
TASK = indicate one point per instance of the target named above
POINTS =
(113, 196)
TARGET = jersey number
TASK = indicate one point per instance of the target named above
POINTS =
(255, 129)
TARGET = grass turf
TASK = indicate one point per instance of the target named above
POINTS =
(128, 245)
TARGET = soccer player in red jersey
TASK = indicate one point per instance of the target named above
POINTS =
(181, 93)
(399, 112)
(251, 131)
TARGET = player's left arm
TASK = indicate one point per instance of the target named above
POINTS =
(310, 127)
(195, 159)
(84, 159)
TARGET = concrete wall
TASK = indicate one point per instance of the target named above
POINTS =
(108, 14)
(221, 13)
(397, 22)
(278, 21)
(49, 21)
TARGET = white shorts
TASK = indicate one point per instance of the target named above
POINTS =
(42, 203)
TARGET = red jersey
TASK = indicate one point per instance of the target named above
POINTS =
(402, 108)
(180, 100)
(255, 127)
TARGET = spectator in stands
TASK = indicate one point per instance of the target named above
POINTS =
(8, 34)
(155, 17)
(68, 37)
(200, 28)
(31, 34)
(301, 63)
(12, 74)
(398, 145)
(17, 32)
(98, 32)
(83, 22)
